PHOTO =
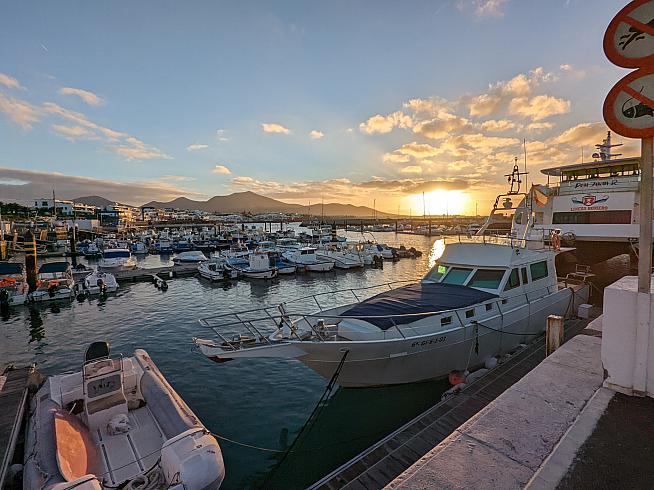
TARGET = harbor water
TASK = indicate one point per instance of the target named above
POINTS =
(261, 403)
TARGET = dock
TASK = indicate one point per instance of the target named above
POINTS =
(164, 272)
(381, 463)
(14, 387)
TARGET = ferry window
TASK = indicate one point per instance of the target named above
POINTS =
(470, 313)
(446, 320)
(514, 280)
(489, 306)
(525, 280)
(538, 270)
(619, 217)
(486, 278)
(457, 275)
(436, 273)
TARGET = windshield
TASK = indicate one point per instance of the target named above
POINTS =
(457, 275)
(116, 254)
(486, 278)
(436, 273)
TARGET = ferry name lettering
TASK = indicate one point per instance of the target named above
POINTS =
(437, 340)
(597, 183)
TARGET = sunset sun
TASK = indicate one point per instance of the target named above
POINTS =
(438, 202)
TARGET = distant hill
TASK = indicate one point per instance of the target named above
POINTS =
(94, 201)
(251, 202)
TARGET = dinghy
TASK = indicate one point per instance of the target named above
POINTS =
(214, 269)
(117, 423)
(100, 283)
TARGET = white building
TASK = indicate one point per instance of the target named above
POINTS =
(66, 208)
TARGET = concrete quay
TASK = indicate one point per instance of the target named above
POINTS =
(529, 435)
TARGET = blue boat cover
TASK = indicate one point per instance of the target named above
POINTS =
(428, 298)
(7, 268)
(52, 267)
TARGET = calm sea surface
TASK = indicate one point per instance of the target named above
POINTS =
(258, 402)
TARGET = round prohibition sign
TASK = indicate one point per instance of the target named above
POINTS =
(629, 39)
(629, 106)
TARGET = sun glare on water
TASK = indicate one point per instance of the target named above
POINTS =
(438, 202)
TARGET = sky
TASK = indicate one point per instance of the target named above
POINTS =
(366, 102)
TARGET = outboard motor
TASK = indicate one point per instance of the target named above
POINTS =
(4, 300)
(102, 285)
(52, 290)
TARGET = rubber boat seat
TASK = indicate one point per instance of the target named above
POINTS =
(96, 350)
(76, 453)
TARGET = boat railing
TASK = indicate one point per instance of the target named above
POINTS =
(321, 327)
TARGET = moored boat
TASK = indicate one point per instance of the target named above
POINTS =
(190, 257)
(55, 282)
(255, 266)
(306, 258)
(117, 423)
(214, 269)
(13, 284)
(481, 299)
(116, 259)
(99, 283)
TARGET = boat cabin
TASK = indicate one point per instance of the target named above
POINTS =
(116, 253)
(55, 271)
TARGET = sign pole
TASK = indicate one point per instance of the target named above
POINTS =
(645, 240)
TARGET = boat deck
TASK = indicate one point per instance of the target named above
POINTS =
(124, 456)
(380, 464)
(13, 399)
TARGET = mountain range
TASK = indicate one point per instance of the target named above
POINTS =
(247, 202)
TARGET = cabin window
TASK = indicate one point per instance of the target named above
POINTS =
(592, 218)
(538, 270)
(446, 320)
(470, 313)
(457, 275)
(525, 279)
(486, 278)
(514, 280)
(436, 273)
(489, 306)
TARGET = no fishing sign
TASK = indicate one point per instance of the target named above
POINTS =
(629, 42)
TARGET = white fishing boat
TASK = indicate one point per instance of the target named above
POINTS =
(99, 283)
(13, 284)
(117, 423)
(116, 259)
(55, 282)
(255, 266)
(214, 269)
(306, 258)
(344, 257)
(190, 257)
(481, 299)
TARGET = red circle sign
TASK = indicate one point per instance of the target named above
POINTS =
(629, 106)
(629, 39)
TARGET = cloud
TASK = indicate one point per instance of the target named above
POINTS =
(498, 126)
(385, 124)
(442, 126)
(483, 8)
(19, 111)
(196, 147)
(24, 185)
(274, 128)
(176, 178)
(412, 169)
(431, 106)
(221, 169)
(537, 127)
(74, 133)
(316, 135)
(122, 144)
(10, 82)
(581, 134)
(539, 107)
(221, 135)
(87, 96)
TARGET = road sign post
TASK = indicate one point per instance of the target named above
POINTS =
(629, 108)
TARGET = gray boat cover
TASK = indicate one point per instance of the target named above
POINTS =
(427, 298)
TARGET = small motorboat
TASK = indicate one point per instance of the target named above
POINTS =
(255, 266)
(92, 251)
(306, 258)
(190, 257)
(80, 271)
(55, 282)
(117, 423)
(214, 269)
(139, 248)
(343, 257)
(13, 284)
(283, 266)
(99, 283)
(117, 259)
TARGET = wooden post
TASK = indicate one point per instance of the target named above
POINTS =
(645, 239)
(30, 260)
(554, 334)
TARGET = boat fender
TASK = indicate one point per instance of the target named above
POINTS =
(472, 377)
(164, 286)
(490, 363)
(456, 378)
(118, 424)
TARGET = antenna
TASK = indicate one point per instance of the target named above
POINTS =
(524, 144)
